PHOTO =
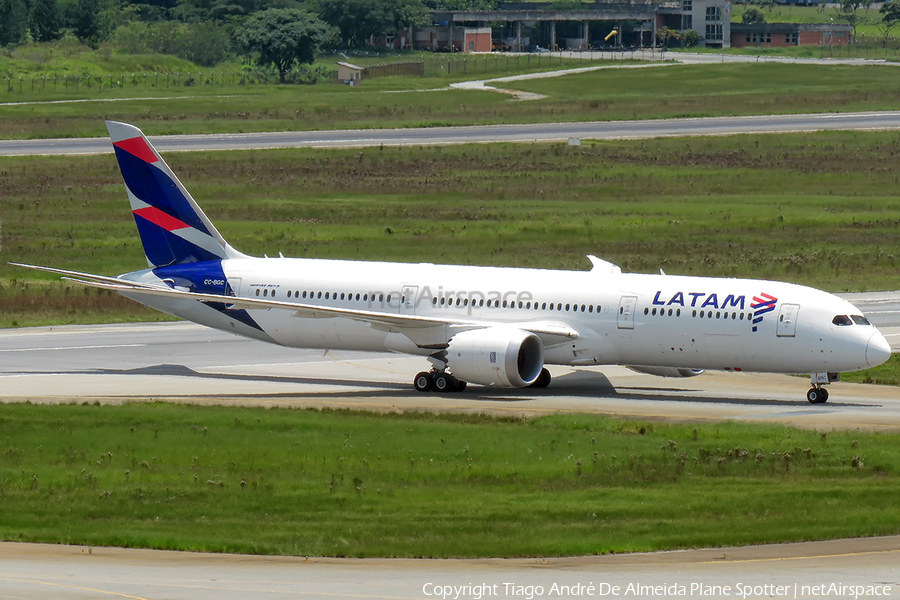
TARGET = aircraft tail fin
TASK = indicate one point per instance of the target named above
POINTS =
(172, 227)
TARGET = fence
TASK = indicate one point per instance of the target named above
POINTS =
(88, 81)
(407, 67)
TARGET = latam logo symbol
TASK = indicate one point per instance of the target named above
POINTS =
(762, 304)
(493, 358)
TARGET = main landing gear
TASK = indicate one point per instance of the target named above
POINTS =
(442, 382)
(438, 381)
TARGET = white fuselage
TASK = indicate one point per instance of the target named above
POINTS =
(630, 319)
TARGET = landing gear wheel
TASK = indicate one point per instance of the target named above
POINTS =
(460, 386)
(817, 395)
(444, 383)
(423, 382)
(543, 379)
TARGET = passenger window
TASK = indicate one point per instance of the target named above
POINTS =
(842, 320)
(646, 311)
(257, 291)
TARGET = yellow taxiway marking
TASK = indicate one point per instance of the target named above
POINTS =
(72, 587)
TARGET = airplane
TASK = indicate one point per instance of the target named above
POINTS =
(491, 326)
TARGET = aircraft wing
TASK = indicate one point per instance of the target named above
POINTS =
(550, 332)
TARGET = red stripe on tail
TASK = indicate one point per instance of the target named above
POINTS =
(158, 217)
(138, 147)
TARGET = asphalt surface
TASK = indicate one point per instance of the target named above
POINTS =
(39, 572)
(539, 132)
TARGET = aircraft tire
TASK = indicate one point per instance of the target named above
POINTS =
(460, 386)
(817, 395)
(444, 383)
(543, 379)
(423, 382)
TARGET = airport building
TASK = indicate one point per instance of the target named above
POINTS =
(530, 26)
(779, 35)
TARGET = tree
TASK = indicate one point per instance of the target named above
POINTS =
(202, 43)
(13, 21)
(753, 15)
(890, 16)
(665, 35)
(45, 20)
(84, 19)
(283, 37)
(690, 38)
(849, 12)
(358, 20)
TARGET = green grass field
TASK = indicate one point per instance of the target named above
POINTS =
(299, 482)
(818, 209)
(664, 91)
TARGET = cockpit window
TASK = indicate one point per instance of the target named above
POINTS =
(842, 320)
(860, 320)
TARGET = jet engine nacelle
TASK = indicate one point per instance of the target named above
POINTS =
(667, 371)
(498, 356)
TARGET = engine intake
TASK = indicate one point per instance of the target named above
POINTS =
(496, 356)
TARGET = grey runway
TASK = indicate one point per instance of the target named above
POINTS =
(428, 136)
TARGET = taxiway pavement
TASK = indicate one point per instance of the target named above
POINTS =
(39, 571)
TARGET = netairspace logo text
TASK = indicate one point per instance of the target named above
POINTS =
(480, 591)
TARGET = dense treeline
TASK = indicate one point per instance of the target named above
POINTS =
(277, 33)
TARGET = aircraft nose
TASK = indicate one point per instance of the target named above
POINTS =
(878, 350)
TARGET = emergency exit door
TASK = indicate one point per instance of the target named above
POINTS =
(625, 318)
(787, 320)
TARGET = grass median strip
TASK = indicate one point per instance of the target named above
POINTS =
(301, 482)
(659, 92)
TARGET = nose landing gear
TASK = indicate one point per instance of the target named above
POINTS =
(818, 394)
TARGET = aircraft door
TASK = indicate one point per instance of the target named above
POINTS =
(408, 297)
(787, 320)
(625, 319)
